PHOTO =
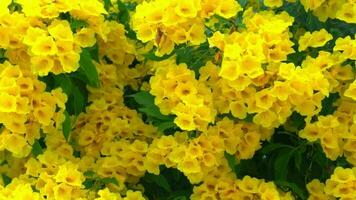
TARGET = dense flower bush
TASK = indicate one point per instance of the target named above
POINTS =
(177, 99)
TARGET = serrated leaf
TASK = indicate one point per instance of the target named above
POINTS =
(160, 181)
(36, 148)
(66, 126)
(88, 68)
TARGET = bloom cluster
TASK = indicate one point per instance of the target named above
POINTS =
(72, 126)
(167, 23)
(339, 185)
(324, 9)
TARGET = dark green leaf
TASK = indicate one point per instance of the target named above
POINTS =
(154, 112)
(66, 126)
(89, 174)
(88, 183)
(231, 160)
(160, 181)
(36, 148)
(165, 125)
(76, 102)
(293, 187)
(109, 180)
(274, 146)
(144, 98)
(76, 24)
(281, 164)
(88, 68)
(7, 180)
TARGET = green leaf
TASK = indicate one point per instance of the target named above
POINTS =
(160, 181)
(298, 157)
(89, 183)
(180, 198)
(88, 68)
(76, 102)
(165, 125)
(293, 187)
(144, 98)
(64, 82)
(76, 24)
(231, 160)
(7, 180)
(195, 57)
(243, 3)
(154, 112)
(274, 146)
(37, 148)
(281, 164)
(327, 103)
(109, 180)
(107, 4)
(89, 174)
(66, 126)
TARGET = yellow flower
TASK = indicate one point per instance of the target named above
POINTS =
(44, 46)
(314, 39)
(60, 30)
(228, 8)
(62, 191)
(185, 122)
(69, 61)
(189, 166)
(347, 13)
(342, 175)
(249, 185)
(4, 37)
(351, 91)
(42, 65)
(187, 8)
(4, 7)
(7, 103)
(133, 195)
(85, 37)
(273, 3)
(69, 174)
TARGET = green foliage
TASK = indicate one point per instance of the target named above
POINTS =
(66, 126)
(88, 68)
(146, 106)
(195, 57)
(170, 184)
(93, 181)
(37, 148)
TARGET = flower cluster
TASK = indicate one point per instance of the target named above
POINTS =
(339, 185)
(324, 9)
(177, 91)
(222, 80)
(222, 184)
(25, 108)
(167, 23)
